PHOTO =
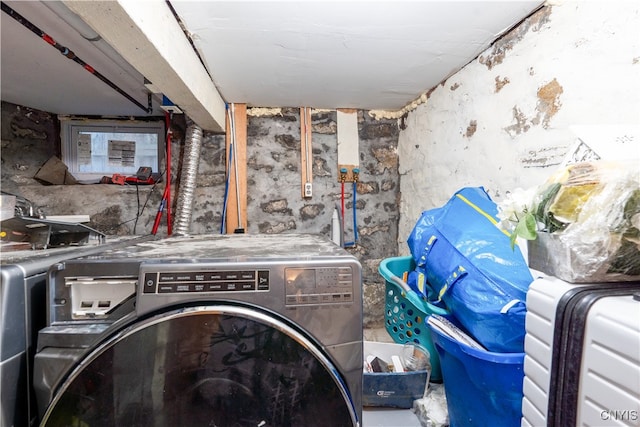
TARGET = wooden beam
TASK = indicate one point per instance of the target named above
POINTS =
(147, 35)
(306, 153)
(236, 218)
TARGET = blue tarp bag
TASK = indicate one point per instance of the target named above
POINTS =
(468, 262)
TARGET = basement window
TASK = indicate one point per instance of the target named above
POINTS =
(92, 149)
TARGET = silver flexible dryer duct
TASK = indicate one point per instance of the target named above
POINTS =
(193, 142)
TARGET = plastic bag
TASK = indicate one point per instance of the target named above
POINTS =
(469, 263)
(598, 204)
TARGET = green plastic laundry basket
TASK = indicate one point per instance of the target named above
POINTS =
(406, 313)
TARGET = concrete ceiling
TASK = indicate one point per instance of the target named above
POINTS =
(323, 54)
(350, 54)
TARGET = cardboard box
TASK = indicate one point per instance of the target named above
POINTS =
(54, 172)
(392, 389)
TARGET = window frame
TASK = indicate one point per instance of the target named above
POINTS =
(70, 128)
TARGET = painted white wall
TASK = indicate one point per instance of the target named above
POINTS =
(571, 63)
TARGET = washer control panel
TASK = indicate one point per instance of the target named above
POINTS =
(302, 285)
(167, 282)
(318, 285)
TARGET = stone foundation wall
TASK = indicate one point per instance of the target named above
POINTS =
(274, 201)
(508, 118)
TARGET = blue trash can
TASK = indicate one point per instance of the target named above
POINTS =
(483, 388)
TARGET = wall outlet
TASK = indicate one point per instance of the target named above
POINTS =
(307, 189)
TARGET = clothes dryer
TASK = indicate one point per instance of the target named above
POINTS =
(234, 330)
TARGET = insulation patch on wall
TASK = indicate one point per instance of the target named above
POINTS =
(348, 151)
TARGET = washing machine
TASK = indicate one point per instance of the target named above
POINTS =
(230, 330)
(23, 311)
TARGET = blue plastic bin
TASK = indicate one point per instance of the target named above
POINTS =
(393, 389)
(406, 313)
(482, 388)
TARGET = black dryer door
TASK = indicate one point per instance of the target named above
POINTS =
(204, 366)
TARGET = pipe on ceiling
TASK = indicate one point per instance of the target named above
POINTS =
(69, 54)
(87, 33)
